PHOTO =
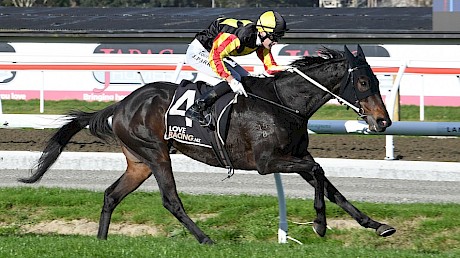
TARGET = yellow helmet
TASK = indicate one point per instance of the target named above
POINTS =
(271, 22)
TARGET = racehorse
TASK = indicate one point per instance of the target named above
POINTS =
(262, 136)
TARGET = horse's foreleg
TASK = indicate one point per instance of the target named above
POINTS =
(172, 202)
(319, 225)
(136, 173)
(336, 197)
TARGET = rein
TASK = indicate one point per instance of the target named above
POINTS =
(340, 99)
(296, 112)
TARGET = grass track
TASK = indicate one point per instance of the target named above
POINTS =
(242, 226)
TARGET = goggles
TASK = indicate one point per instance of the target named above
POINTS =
(274, 36)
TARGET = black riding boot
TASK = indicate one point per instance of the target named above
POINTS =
(206, 100)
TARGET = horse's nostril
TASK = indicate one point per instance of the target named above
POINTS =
(382, 123)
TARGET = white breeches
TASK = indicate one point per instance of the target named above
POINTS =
(198, 58)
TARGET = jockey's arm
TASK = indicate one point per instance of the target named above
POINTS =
(222, 46)
(270, 66)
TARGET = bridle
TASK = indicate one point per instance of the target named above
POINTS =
(347, 94)
(345, 99)
(352, 94)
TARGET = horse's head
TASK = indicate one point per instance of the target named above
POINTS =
(362, 90)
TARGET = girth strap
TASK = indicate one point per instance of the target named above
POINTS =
(221, 153)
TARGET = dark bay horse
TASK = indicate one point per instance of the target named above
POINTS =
(262, 136)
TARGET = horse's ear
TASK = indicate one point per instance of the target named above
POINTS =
(350, 57)
(360, 54)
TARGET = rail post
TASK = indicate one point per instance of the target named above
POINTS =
(391, 103)
(283, 226)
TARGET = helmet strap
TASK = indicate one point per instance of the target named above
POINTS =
(262, 38)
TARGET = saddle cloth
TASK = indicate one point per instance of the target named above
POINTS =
(184, 129)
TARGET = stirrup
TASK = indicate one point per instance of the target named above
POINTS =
(203, 120)
(194, 113)
(206, 122)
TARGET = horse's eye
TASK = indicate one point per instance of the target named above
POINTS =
(363, 84)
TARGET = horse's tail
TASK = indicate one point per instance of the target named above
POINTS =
(98, 125)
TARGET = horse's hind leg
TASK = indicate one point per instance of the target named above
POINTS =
(157, 158)
(172, 202)
(136, 173)
(336, 197)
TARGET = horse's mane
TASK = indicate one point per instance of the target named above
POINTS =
(325, 55)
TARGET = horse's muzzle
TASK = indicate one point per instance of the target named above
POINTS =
(379, 125)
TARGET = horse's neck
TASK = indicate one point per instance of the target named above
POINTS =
(301, 95)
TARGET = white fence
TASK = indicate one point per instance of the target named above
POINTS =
(175, 63)
(38, 121)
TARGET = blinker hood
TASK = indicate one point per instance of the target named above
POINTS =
(357, 67)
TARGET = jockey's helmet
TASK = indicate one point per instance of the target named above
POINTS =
(273, 24)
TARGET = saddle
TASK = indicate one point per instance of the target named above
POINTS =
(185, 130)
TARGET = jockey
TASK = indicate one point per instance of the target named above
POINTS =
(209, 53)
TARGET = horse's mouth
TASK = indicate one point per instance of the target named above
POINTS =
(377, 129)
(379, 126)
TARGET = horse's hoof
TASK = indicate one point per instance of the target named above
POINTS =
(319, 229)
(207, 241)
(384, 230)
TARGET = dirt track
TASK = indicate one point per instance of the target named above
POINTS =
(321, 146)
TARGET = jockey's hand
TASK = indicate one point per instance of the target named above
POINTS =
(289, 68)
(237, 87)
(278, 68)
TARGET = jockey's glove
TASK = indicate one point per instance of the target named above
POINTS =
(278, 68)
(237, 87)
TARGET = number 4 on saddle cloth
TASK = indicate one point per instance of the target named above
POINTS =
(185, 130)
